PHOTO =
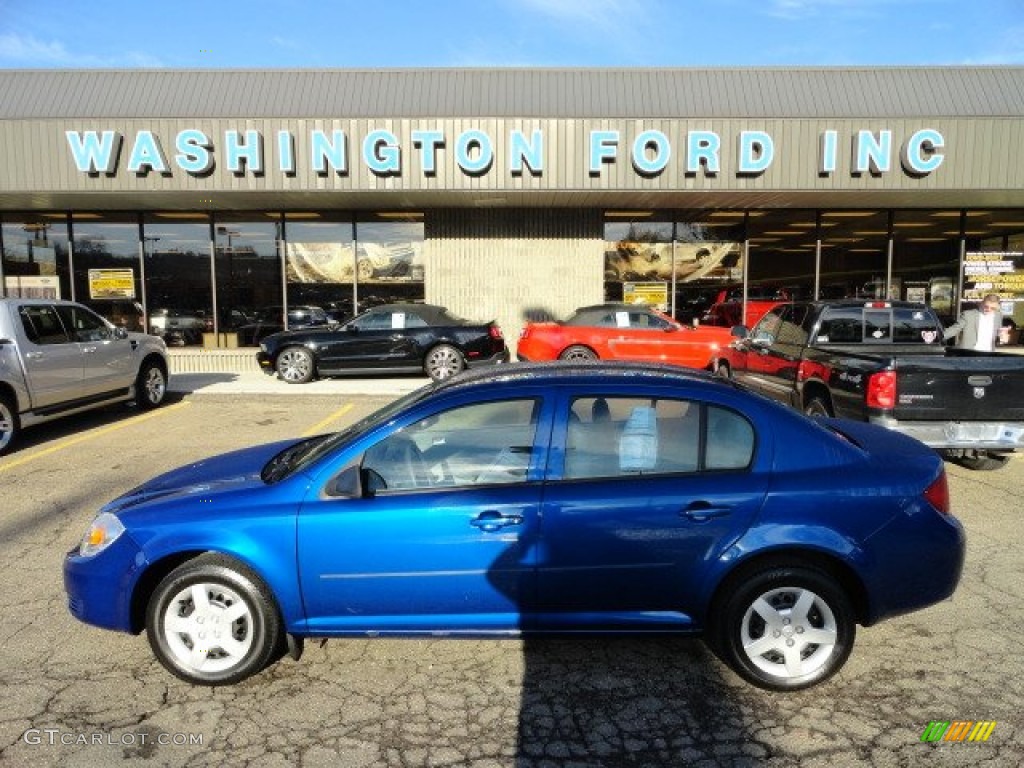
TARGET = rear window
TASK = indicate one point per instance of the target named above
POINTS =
(878, 325)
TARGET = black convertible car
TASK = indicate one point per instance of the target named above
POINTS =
(392, 338)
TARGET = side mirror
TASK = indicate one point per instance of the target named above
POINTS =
(739, 331)
(120, 333)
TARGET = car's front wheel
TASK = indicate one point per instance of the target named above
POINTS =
(8, 422)
(295, 365)
(784, 628)
(212, 622)
(150, 385)
(443, 362)
(578, 353)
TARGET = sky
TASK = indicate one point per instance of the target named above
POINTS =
(358, 34)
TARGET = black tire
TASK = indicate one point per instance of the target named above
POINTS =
(443, 362)
(816, 407)
(778, 651)
(233, 636)
(150, 385)
(10, 425)
(577, 353)
(295, 365)
(984, 462)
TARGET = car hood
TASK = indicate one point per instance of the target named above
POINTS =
(226, 472)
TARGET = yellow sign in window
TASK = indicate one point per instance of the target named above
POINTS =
(111, 283)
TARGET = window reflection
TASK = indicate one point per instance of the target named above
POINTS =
(678, 265)
(248, 274)
(35, 255)
(389, 259)
(320, 264)
(108, 276)
(179, 290)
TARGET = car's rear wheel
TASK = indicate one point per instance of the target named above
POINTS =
(784, 628)
(150, 385)
(9, 424)
(295, 365)
(577, 353)
(817, 408)
(212, 622)
(443, 362)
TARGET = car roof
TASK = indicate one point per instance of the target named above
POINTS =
(614, 305)
(432, 313)
(596, 372)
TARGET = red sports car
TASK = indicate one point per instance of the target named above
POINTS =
(622, 332)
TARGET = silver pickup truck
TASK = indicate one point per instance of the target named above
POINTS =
(59, 358)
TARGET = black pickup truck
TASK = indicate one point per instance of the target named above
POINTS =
(885, 362)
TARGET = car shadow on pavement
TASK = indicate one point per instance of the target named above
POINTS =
(624, 701)
(620, 699)
(79, 423)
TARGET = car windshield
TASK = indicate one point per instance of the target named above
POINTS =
(307, 452)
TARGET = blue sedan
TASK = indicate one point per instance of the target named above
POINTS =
(534, 499)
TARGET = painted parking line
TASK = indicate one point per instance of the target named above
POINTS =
(61, 445)
(318, 428)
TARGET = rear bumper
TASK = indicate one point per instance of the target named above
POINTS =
(496, 359)
(968, 435)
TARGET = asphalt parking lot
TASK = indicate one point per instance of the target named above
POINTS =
(78, 696)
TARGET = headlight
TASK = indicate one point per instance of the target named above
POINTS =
(103, 532)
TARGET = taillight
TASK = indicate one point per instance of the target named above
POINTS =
(525, 332)
(495, 332)
(882, 390)
(937, 494)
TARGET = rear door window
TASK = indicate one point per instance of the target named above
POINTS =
(43, 326)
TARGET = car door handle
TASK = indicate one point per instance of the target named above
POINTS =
(492, 521)
(702, 511)
(87, 350)
(33, 355)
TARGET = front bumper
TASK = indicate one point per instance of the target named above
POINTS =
(266, 363)
(99, 588)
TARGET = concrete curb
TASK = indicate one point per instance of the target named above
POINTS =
(225, 383)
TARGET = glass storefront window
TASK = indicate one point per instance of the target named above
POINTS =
(179, 285)
(320, 263)
(855, 255)
(926, 259)
(783, 254)
(994, 263)
(248, 274)
(708, 256)
(389, 259)
(638, 258)
(35, 255)
(108, 274)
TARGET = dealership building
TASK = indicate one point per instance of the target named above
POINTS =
(213, 200)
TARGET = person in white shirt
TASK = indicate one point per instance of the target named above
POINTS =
(978, 328)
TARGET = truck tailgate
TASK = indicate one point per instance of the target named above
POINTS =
(960, 386)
